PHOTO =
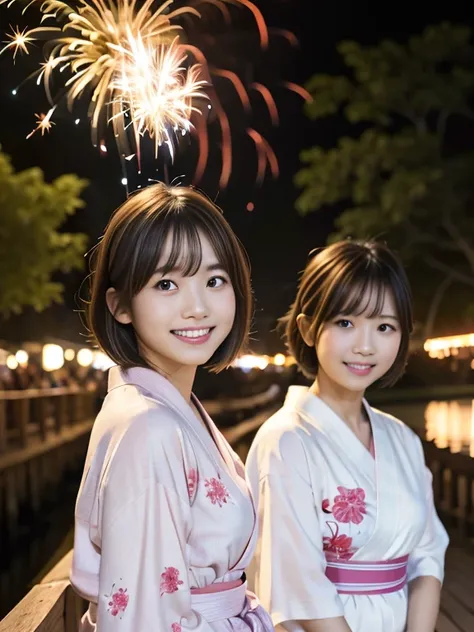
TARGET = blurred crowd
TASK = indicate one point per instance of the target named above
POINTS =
(34, 376)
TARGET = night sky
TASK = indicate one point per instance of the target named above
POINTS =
(277, 239)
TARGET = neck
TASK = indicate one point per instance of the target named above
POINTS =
(183, 380)
(346, 404)
(181, 376)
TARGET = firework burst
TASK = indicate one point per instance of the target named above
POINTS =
(157, 93)
(127, 60)
(139, 72)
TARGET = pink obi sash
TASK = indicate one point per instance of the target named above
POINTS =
(352, 577)
(213, 588)
(228, 600)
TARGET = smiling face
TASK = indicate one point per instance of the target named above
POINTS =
(180, 320)
(343, 291)
(182, 234)
(355, 350)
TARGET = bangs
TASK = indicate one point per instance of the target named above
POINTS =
(178, 235)
(185, 255)
(360, 292)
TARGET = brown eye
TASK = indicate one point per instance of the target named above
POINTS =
(216, 281)
(344, 323)
(386, 327)
(165, 285)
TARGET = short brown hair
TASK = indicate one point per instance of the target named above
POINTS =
(127, 256)
(334, 282)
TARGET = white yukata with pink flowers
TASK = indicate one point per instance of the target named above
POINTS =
(326, 503)
(165, 523)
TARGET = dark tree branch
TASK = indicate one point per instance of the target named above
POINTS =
(435, 304)
(463, 245)
(457, 275)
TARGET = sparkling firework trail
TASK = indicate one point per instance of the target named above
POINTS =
(137, 71)
(43, 123)
(127, 61)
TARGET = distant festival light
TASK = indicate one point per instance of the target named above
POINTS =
(53, 357)
(279, 359)
(254, 361)
(262, 363)
(12, 362)
(85, 357)
(69, 355)
(445, 346)
(250, 361)
(22, 357)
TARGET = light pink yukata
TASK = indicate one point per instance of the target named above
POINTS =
(326, 503)
(163, 512)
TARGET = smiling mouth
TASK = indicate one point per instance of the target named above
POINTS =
(359, 367)
(192, 333)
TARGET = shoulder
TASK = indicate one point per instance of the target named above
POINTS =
(146, 436)
(129, 411)
(277, 443)
(398, 429)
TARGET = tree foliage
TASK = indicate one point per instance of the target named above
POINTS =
(406, 174)
(32, 246)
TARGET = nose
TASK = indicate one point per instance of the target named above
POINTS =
(364, 341)
(194, 304)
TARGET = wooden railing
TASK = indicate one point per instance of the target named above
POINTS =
(27, 416)
(43, 434)
(51, 606)
(453, 489)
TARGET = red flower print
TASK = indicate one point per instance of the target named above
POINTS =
(216, 491)
(175, 627)
(340, 545)
(325, 506)
(192, 482)
(170, 580)
(349, 506)
(118, 601)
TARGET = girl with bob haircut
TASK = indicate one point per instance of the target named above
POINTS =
(165, 524)
(349, 540)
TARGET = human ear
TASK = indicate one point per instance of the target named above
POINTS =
(121, 314)
(304, 325)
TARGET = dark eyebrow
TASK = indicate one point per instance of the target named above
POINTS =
(215, 266)
(210, 268)
(388, 316)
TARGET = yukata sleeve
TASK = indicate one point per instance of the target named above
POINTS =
(289, 566)
(428, 556)
(143, 579)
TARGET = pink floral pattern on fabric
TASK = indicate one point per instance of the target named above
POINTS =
(349, 505)
(192, 483)
(216, 491)
(175, 627)
(170, 580)
(340, 546)
(118, 601)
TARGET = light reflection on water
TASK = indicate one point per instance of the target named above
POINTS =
(450, 424)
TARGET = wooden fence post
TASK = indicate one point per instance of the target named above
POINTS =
(3, 425)
(22, 418)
